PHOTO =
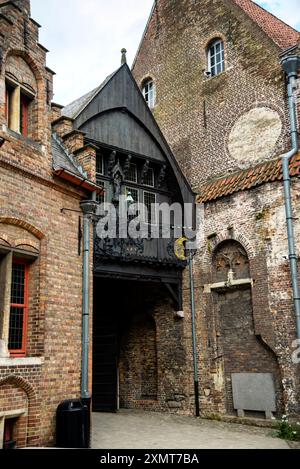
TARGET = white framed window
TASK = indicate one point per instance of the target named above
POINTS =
(149, 200)
(149, 93)
(149, 178)
(131, 175)
(216, 57)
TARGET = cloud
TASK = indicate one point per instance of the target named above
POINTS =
(85, 39)
(288, 11)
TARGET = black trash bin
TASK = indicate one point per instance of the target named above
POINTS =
(72, 425)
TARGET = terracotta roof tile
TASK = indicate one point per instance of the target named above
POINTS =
(281, 33)
(247, 179)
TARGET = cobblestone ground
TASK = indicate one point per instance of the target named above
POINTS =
(145, 430)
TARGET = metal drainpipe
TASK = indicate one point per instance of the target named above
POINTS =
(291, 64)
(194, 334)
(88, 208)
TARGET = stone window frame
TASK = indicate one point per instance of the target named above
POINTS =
(13, 414)
(18, 102)
(6, 263)
(151, 102)
(212, 54)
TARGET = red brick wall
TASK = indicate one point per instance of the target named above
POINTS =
(197, 116)
(30, 210)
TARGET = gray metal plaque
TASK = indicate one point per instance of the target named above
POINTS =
(254, 391)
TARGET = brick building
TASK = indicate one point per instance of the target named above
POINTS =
(211, 72)
(40, 269)
(53, 160)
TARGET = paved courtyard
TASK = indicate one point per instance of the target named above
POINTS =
(145, 430)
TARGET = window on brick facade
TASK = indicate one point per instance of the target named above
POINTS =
(8, 440)
(25, 102)
(18, 309)
(8, 103)
(149, 93)
(18, 108)
(216, 57)
(14, 301)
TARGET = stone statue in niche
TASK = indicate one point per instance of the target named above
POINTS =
(231, 262)
(127, 166)
(162, 176)
(111, 163)
(118, 177)
(145, 171)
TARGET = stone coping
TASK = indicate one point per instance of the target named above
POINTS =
(36, 361)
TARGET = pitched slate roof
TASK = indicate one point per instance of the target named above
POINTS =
(73, 109)
(282, 34)
(247, 179)
(61, 159)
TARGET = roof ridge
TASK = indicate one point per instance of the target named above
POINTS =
(71, 110)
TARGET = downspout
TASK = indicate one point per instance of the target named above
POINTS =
(291, 64)
(88, 208)
(194, 335)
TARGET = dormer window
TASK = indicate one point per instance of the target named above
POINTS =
(216, 57)
(149, 92)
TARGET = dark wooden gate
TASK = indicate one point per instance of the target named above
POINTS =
(105, 361)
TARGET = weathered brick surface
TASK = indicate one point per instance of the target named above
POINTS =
(197, 114)
(202, 119)
(31, 200)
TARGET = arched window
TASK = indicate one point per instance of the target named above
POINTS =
(216, 57)
(149, 92)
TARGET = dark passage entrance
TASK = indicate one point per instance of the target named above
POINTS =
(124, 342)
(105, 357)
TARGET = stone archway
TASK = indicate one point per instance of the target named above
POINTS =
(23, 403)
(241, 348)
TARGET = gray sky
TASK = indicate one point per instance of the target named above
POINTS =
(85, 37)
